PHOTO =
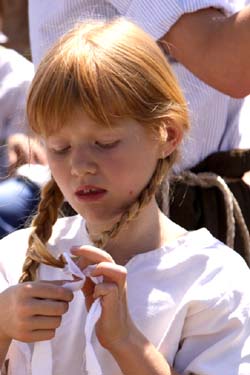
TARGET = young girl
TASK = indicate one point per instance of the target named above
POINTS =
(171, 302)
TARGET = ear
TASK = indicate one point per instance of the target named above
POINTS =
(172, 135)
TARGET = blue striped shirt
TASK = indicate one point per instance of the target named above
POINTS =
(215, 124)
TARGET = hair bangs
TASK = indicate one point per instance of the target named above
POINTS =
(102, 95)
(105, 74)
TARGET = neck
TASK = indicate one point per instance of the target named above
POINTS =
(150, 230)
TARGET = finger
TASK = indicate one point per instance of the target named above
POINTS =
(90, 255)
(46, 290)
(106, 289)
(110, 297)
(44, 322)
(55, 282)
(49, 307)
(111, 272)
(40, 335)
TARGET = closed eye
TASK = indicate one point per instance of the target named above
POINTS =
(60, 151)
(107, 145)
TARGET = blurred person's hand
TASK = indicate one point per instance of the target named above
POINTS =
(23, 149)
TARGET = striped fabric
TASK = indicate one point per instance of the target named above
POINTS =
(214, 116)
(16, 73)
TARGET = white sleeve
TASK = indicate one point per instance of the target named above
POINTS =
(216, 334)
(157, 17)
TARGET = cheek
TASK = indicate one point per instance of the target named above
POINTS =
(51, 161)
(58, 171)
(131, 193)
(53, 167)
(132, 173)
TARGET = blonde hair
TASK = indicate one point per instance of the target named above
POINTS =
(110, 71)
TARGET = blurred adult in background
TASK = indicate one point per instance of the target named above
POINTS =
(217, 124)
(16, 73)
(19, 182)
(214, 116)
(214, 47)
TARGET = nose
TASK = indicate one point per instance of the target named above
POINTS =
(83, 162)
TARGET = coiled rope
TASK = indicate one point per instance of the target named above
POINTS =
(233, 210)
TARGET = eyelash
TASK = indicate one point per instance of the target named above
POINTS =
(103, 146)
(107, 146)
(61, 151)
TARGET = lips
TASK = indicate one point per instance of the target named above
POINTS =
(90, 192)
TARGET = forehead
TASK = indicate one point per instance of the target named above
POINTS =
(80, 123)
(82, 128)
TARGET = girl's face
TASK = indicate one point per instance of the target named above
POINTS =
(101, 170)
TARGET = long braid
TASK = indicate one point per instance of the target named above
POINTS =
(133, 211)
(51, 200)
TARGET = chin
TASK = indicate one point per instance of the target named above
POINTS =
(103, 220)
(100, 215)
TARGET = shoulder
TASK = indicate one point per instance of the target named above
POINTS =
(200, 247)
(205, 268)
(196, 250)
(216, 276)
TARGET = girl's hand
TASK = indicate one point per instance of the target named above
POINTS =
(115, 324)
(32, 311)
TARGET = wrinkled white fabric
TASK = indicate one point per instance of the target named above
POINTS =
(22, 354)
(190, 298)
(42, 355)
(41, 363)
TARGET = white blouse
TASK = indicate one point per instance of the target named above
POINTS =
(190, 299)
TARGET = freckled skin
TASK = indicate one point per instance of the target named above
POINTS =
(82, 157)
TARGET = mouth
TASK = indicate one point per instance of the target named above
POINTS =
(89, 193)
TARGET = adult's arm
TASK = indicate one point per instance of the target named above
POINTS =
(214, 47)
